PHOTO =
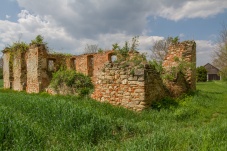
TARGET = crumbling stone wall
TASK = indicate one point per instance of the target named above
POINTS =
(19, 71)
(35, 60)
(119, 83)
(91, 64)
(128, 86)
(6, 69)
(181, 55)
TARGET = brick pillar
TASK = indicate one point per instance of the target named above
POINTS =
(184, 52)
(6, 69)
(19, 71)
(36, 69)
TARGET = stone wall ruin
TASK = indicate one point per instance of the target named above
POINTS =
(182, 56)
(132, 86)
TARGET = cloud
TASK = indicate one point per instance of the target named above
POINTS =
(30, 25)
(7, 16)
(193, 9)
(204, 52)
(92, 18)
(88, 19)
(71, 24)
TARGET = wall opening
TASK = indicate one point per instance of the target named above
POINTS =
(90, 63)
(73, 63)
(51, 65)
(112, 57)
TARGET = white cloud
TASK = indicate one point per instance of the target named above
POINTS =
(90, 18)
(193, 9)
(7, 16)
(29, 25)
(68, 25)
(204, 52)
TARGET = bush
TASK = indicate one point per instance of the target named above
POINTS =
(77, 83)
(201, 74)
(39, 40)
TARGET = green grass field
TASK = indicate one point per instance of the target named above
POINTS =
(43, 122)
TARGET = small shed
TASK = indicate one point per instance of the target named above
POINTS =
(212, 72)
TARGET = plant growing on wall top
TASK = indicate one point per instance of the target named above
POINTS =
(123, 53)
(175, 40)
(129, 56)
(18, 46)
(39, 40)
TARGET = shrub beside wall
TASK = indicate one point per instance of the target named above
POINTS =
(70, 82)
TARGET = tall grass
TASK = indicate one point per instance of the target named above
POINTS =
(43, 122)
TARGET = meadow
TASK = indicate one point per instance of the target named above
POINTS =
(42, 122)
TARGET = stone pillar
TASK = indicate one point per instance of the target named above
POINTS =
(36, 69)
(181, 56)
(6, 69)
(19, 71)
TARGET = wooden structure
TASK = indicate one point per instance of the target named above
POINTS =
(212, 72)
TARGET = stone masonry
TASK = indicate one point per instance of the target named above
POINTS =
(131, 86)
(6, 69)
(181, 54)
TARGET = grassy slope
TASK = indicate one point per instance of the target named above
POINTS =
(199, 122)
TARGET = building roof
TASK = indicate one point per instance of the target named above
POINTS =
(211, 69)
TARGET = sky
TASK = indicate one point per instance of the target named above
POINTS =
(69, 25)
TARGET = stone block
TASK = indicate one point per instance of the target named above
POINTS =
(122, 73)
(127, 93)
(132, 82)
(139, 72)
(125, 81)
(123, 76)
(140, 83)
(143, 103)
(133, 78)
(141, 78)
(140, 106)
(139, 90)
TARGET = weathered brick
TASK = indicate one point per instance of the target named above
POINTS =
(113, 83)
(134, 78)
(139, 90)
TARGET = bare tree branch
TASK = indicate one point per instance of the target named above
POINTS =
(91, 48)
(160, 48)
(220, 52)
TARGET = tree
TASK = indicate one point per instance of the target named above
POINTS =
(91, 48)
(201, 74)
(160, 48)
(220, 53)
